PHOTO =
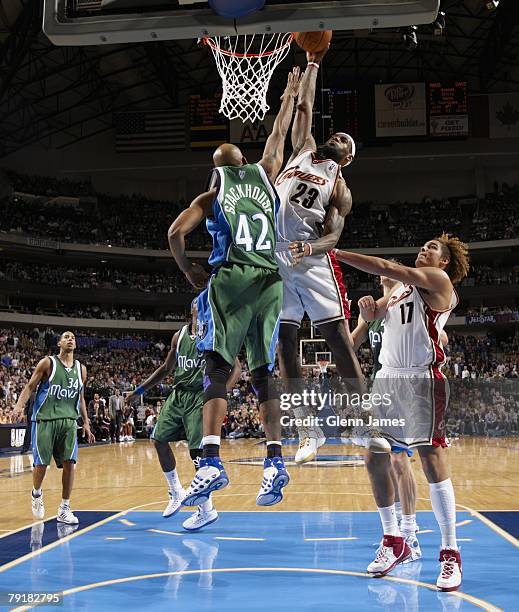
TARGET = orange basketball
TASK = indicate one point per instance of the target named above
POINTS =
(313, 42)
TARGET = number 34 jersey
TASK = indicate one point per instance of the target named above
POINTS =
(412, 330)
(305, 187)
(243, 224)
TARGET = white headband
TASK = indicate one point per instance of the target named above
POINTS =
(353, 150)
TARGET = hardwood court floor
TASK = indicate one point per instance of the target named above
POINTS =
(122, 476)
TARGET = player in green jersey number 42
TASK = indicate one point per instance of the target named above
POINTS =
(243, 299)
(59, 402)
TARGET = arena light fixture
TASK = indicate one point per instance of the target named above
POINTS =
(439, 24)
(492, 4)
(410, 38)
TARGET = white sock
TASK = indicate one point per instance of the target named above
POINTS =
(389, 522)
(408, 524)
(444, 507)
(174, 483)
(211, 440)
(207, 506)
(36, 492)
(65, 502)
(398, 510)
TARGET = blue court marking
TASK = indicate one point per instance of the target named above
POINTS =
(22, 542)
(279, 570)
(509, 521)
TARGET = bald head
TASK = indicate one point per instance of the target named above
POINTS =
(228, 155)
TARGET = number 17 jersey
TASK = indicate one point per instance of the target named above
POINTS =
(243, 223)
(305, 187)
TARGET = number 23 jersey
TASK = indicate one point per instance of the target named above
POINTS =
(305, 187)
(412, 330)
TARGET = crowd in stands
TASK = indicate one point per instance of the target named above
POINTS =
(95, 311)
(112, 220)
(484, 374)
(78, 277)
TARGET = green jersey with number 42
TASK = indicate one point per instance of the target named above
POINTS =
(243, 224)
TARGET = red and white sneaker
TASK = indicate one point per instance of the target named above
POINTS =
(392, 551)
(450, 572)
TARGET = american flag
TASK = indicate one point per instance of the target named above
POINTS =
(150, 131)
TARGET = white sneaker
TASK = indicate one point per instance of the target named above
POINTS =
(374, 444)
(200, 519)
(65, 515)
(450, 570)
(393, 551)
(38, 509)
(307, 450)
(416, 552)
(175, 502)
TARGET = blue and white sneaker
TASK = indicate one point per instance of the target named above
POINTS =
(275, 477)
(209, 477)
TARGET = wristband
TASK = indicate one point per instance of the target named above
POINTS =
(310, 247)
(313, 64)
(139, 390)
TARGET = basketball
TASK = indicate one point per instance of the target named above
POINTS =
(313, 42)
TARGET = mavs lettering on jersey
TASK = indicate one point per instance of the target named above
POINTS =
(187, 363)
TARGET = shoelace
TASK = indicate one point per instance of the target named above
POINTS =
(448, 567)
(382, 554)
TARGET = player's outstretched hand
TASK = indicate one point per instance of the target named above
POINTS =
(317, 57)
(88, 434)
(293, 83)
(367, 307)
(299, 249)
(197, 276)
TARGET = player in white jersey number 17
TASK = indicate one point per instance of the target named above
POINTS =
(315, 201)
(411, 357)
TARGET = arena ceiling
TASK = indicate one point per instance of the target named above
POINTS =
(67, 94)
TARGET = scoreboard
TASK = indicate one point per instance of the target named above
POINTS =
(448, 109)
(207, 127)
(337, 110)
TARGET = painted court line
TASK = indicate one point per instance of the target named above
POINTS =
(175, 533)
(328, 539)
(127, 522)
(504, 534)
(480, 603)
(461, 523)
(114, 538)
(240, 539)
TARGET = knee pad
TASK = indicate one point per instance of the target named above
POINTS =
(217, 372)
(263, 385)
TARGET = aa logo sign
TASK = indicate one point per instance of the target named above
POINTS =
(251, 133)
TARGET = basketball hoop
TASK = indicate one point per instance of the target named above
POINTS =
(246, 64)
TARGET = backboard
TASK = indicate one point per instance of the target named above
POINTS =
(96, 22)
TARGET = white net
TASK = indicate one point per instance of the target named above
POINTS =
(246, 64)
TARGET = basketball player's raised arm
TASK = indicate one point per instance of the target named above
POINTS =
(83, 409)
(340, 207)
(434, 279)
(201, 207)
(274, 147)
(360, 334)
(302, 129)
(160, 373)
(371, 310)
(41, 372)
